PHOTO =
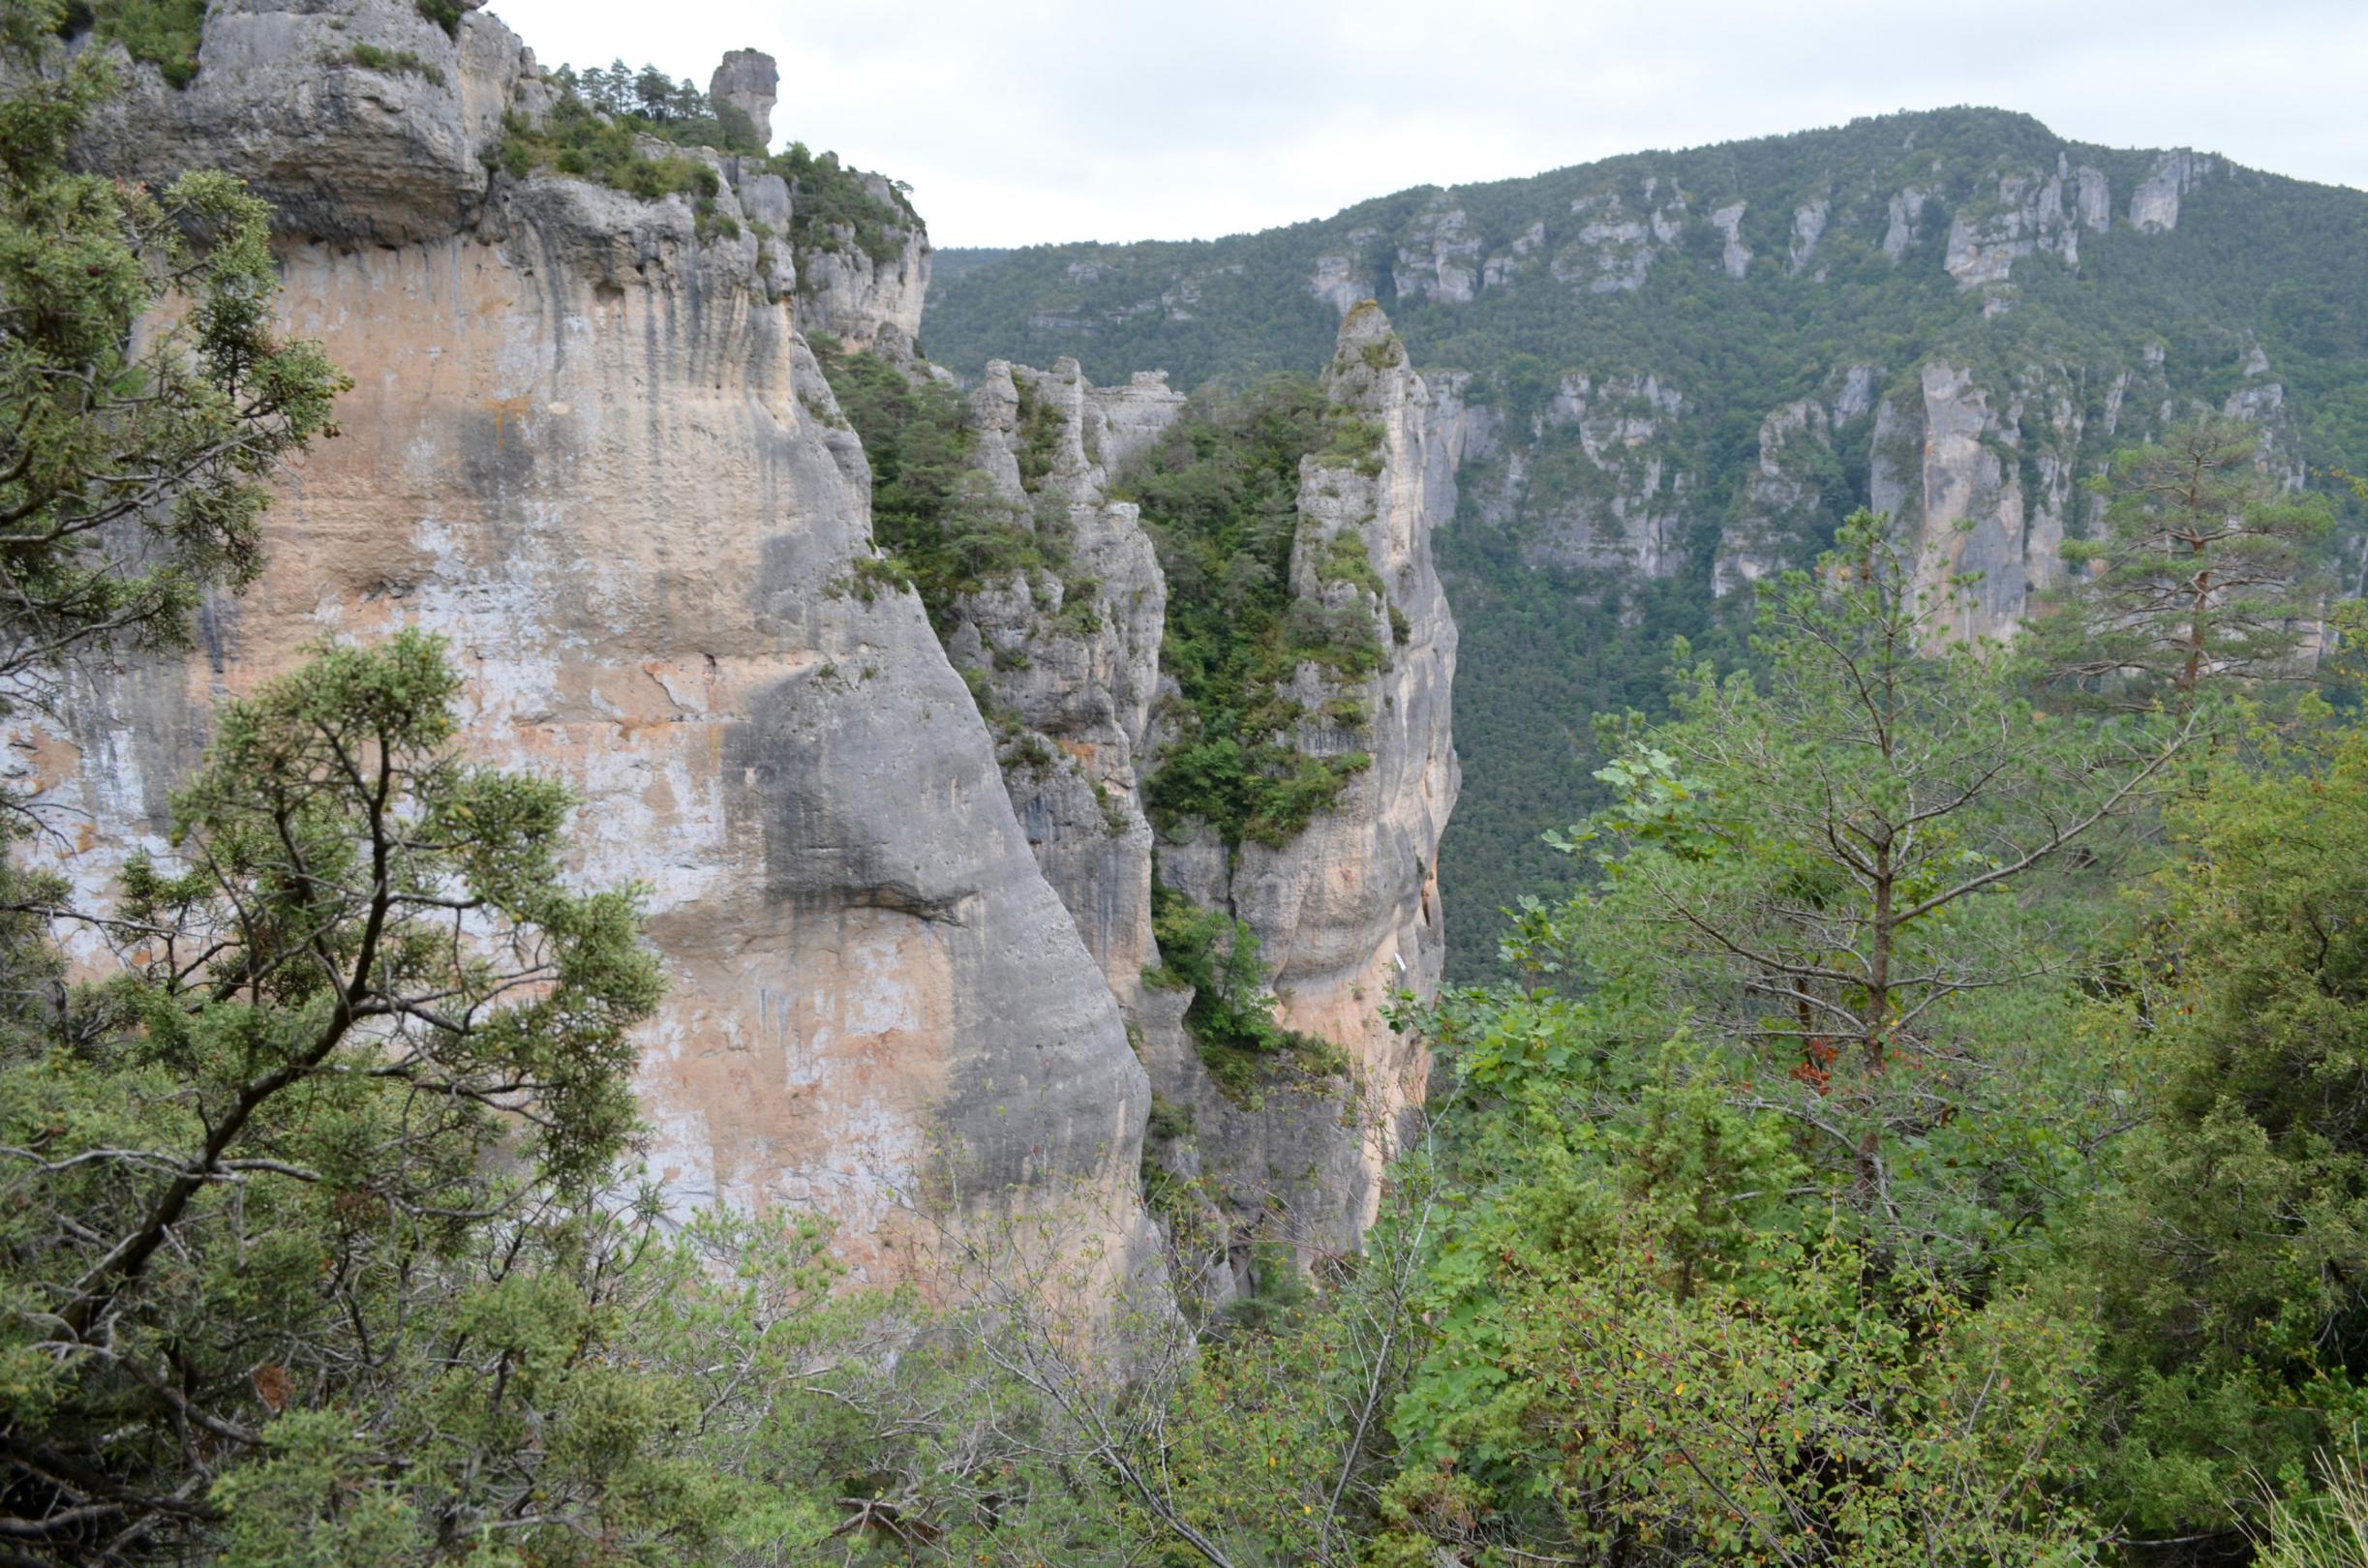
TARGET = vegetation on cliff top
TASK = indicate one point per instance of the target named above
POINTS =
(595, 129)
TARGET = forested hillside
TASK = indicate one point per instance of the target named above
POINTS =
(1933, 1135)
(1687, 366)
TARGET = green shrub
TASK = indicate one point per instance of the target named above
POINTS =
(445, 14)
(1351, 442)
(1168, 1121)
(1029, 753)
(162, 33)
(575, 141)
(928, 507)
(1080, 613)
(1230, 1021)
(829, 207)
(1266, 793)
(1344, 560)
(870, 576)
(1040, 435)
(393, 62)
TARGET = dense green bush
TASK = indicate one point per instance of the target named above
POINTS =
(830, 206)
(938, 519)
(2231, 1257)
(162, 33)
(1219, 493)
(574, 140)
(1230, 1020)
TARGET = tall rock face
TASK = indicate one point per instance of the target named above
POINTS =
(1982, 486)
(589, 447)
(1346, 912)
(867, 287)
(1594, 481)
(1069, 666)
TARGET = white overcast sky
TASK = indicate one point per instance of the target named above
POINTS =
(1019, 121)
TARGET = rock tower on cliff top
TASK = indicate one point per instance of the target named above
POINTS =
(749, 81)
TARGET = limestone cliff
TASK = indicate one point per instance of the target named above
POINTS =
(1065, 665)
(1346, 913)
(1594, 478)
(589, 446)
(1981, 470)
(1068, 667)
(864, 290)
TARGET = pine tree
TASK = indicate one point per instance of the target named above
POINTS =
(134, 458)
(2200, 575)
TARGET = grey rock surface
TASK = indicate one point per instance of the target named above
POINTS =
(1071, 661)
(866, 300)
(750, 81)
(1611, 437)
(2154, 206)
(592, 449)
(345, 153)
(1346, 914)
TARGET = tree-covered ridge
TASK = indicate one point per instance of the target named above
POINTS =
(1598, 520)
(2253, 259)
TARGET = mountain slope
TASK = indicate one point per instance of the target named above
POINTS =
(1685, 367)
